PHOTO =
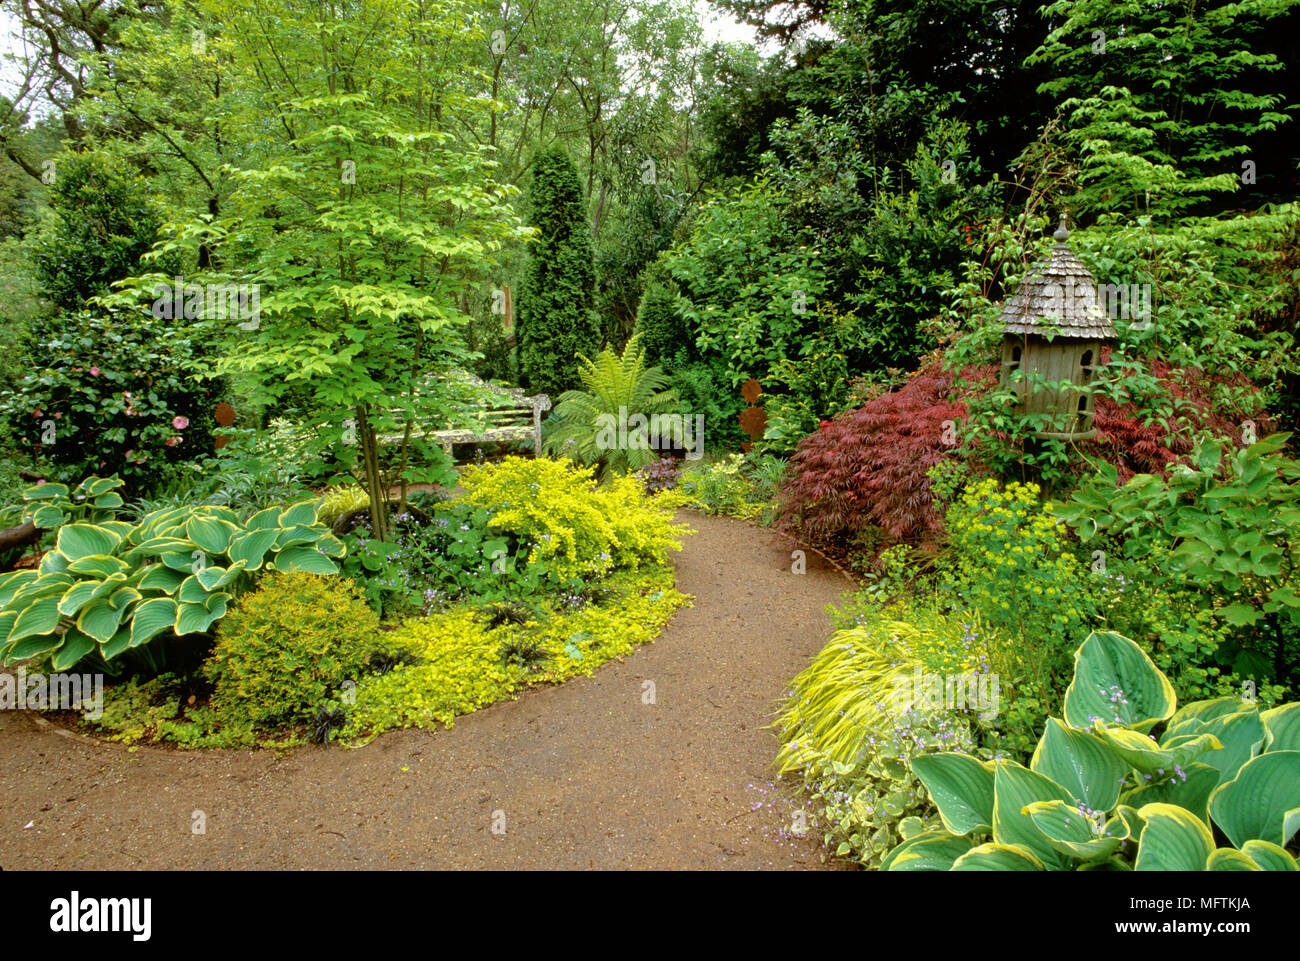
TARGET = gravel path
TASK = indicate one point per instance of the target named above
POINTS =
(583, 775)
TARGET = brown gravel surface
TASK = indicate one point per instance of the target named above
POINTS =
(583, 775)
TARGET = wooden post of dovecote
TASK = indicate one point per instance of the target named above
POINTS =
(1053, 331)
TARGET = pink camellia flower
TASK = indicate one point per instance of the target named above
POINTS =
(173, 441)
(94, 372)
(180, 423)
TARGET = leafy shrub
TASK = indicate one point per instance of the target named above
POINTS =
(662, 474)
(607, 423)
(113, 395)
(705, 389)
(108, 587)
(436, 560)
(289, 646)
(815, 385)
(556, 319)
(459, 666)
(723, 487)
(1226, 524)
(563, 518)
(871, 466)
(1216, 790)
(99, 224)
(658, 324)
(1013, 563)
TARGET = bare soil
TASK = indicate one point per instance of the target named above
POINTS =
(584, 775)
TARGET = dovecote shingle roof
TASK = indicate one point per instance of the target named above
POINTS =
(1059, 297)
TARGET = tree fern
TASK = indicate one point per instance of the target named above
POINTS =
(615, 390)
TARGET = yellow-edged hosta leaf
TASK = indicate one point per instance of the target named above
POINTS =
(1172, 839)
(1116, 682)
(1085, 766)
(961, 788)
(1256, 803)
(931, 851)
(998, 857)
(1269, 856)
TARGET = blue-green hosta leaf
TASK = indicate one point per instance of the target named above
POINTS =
(98, 486)
(931, 851)
(76, 645)
(331, 546)
(1114, 681)
(121, 528)
(42, 586)
(1242, 736)
(163, 545)
(1014, 789)
(1148, 757)
(110, 501)
(53, 563)
(45, 492)
(160, 524)
(1173, 839)
(1071, 832)
(75, 541)
(118, 643)
(1192, 790)
(295, 536)
(961, 787)
(305, 559)
(47, 517)
(39, 618)
(33, 645)
(1189, 718)
(13, 582)
(302, 514)
(7, 619)
(160, 577)
(152, 618)
(213, 578)
(1269, 856)
(100, 619)
(108, 586)
(178, 561)
(268, 519)
(211, 534)
(192, 591)
(1259, 802)
(190, 619)
(999, 857)
(98, 565)
(251, 547)
(124, 597)
(1085, 766)
(1283, 726)
(1229, 859)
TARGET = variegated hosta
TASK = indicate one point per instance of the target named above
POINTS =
(1102, 792)
(49, 506)
(110, 586)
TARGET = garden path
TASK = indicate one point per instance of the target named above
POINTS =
(587, 775)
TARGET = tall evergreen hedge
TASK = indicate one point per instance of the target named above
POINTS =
(557, 319)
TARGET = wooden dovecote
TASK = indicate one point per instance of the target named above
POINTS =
(1053, 329)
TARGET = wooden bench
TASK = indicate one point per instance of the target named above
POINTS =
(498, 414)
